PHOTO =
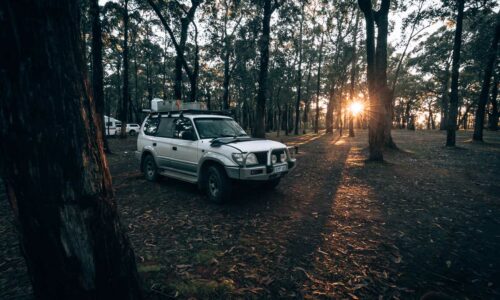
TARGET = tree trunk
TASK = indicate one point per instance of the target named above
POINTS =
(307, 104)
(385, 94)
(376, 110)
(353, 74)
(52, 159)
(445, 99)
(193, 79)
(485, 89)
(493, 118)
(225, 57)
(259, 128)
(329, 110)
(180, 60)
(299, 76)
(453, 109)
(225, 84)
(318, 84)
(126, 95)
(97, 70)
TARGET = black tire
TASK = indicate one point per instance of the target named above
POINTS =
(218, 185)
(272, 184)
(149, 168)
(131, 132)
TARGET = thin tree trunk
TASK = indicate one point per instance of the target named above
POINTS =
(58, 184)
(493, 117)
(318, 84)
(329, 109)
(126, 95)
(353, 74)
(307, 104)
(97, 70)
(193, 80)
(445, 99)
(259, 128)
(453, 109)
(226, 56)
(299, 75)
(485, 89)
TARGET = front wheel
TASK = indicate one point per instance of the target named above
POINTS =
(149, 168)
(218, 185)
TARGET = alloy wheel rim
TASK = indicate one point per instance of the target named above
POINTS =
(212, 185)
(150, 170)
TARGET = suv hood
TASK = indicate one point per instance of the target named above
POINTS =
(248, 144)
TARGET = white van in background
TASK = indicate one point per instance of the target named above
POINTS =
(111, 125)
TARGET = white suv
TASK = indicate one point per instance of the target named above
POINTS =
(132, 129)
(210, 149)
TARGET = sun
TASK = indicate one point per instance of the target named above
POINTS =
(356, 108)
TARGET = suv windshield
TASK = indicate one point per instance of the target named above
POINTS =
(209, 128)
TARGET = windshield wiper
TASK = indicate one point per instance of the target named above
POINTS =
(226, 135)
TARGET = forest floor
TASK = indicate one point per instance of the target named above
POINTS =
(426, 220)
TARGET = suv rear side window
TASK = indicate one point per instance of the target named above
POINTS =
(151, 126)
(166, 128)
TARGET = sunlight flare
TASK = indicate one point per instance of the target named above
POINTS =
(356, 108)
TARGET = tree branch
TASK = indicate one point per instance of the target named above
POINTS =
(178, 49)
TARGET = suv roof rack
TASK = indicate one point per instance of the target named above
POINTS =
(228, 113)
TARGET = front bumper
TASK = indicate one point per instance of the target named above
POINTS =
(262, 172)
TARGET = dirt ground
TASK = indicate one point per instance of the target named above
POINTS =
(427, 220)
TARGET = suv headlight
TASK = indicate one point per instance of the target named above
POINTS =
(238, 158)
(283, 157)
(252, 160)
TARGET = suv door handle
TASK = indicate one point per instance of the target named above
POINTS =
(174, 148)
(154, 144)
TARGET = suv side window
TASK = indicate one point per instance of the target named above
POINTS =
(151, 126)
(182, 125)
(166, 128)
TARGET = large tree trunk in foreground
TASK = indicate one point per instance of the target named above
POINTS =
(97, 69)
(455, 66)
(52, 159)
(485, 89)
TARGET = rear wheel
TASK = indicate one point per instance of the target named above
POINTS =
(149, 168)
(132, 133)
(218, 185)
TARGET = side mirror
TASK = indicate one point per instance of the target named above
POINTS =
(188, 135)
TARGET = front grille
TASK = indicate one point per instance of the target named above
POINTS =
(278, 153)
(261, 157)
